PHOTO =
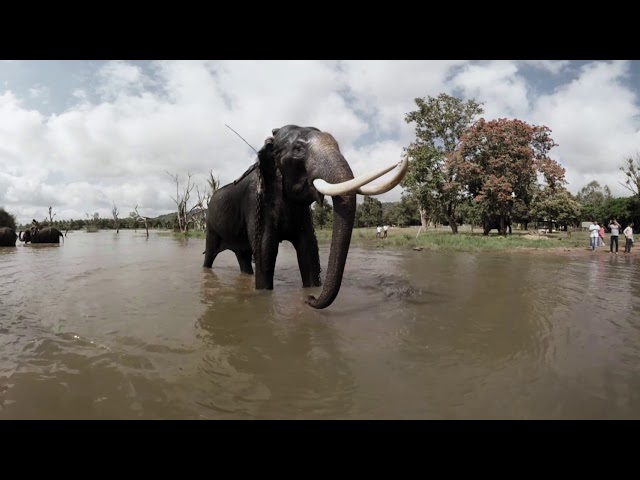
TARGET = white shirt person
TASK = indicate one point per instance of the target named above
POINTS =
(628, 233)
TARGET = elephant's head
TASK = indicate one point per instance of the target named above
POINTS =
(311, 166)
(25, 236)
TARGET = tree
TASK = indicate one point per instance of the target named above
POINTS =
(556, 206)
(92, 223)
(51, 216)
(321, 214)
(369, 212)
(405, 212)
(140, 218)
(470, 212)
(440, 124)
(115, 217)
(631, 169)
(7, 219)
(196, 214)
(498, 162)
(592, 198)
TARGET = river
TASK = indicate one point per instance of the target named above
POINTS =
(118, 326)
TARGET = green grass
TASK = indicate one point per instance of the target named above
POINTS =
(441, 239)
(466, 241)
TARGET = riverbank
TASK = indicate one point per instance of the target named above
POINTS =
(441, 239)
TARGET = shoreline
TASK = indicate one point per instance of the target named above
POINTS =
(442, 240)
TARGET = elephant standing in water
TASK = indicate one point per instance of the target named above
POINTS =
(7, 237)
(42, 235)
(271, 202)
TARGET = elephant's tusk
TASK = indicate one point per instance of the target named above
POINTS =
(343, 188)
(388, 185)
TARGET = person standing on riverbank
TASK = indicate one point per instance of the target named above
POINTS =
(614, 226)
(593, 235)
(601, 235)
(628, 233)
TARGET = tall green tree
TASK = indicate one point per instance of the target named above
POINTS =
(321, 214)
(440, 123)
(500, 159)
(369, 212)
(593, 198)
(405, 212)
(556, 206)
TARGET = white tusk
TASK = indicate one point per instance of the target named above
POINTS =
(388, 185)
(333, 189)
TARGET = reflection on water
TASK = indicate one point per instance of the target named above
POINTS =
(121, 326)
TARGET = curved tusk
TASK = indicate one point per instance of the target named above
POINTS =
(388, 185)
(333, 189)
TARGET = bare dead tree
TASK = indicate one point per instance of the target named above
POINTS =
(51, 216)
(631, 169)
(185, 214)
(115, 217)
(142, 219)
(214, 183)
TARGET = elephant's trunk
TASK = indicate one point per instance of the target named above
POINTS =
(20, 236)
(344, 213)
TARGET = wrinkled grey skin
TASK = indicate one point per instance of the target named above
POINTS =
(271, 202)
(7, 237)
(44, 235)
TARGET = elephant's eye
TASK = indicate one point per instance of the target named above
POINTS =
(298, 149)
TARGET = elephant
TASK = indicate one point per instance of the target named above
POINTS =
(7, 237)
(271, 202)
(493, 222)
(42, 235)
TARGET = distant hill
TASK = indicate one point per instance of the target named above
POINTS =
(167, 217)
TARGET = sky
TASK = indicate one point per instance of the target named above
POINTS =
(81, 135)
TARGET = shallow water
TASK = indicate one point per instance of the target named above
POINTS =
(113, 326)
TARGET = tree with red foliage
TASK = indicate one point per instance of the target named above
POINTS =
(500, 159)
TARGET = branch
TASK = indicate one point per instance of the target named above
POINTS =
(628, 188)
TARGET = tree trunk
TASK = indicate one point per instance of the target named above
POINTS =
(424, 221)
(451, 217)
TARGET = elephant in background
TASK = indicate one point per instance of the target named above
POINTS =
(493, 222)
(271, 202)
(7, 237)
(42, 235)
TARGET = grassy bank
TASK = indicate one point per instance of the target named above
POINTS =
(441, 239)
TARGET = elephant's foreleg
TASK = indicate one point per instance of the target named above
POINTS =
(244, 259)
(306, 246)
(308, 260)
(212, 249)
(266, 262)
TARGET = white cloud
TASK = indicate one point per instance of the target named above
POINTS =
(498, 84)
(39, 92)
(128, 124)
(594, 119)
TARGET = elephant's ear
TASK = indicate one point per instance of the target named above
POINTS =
(265, 155)
(266, 166)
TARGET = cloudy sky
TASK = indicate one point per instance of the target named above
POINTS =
(79, 135)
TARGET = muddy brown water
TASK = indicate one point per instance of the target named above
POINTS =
(120, 326)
